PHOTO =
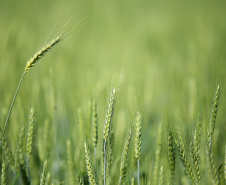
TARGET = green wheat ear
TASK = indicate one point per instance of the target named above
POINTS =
(23, 168)
(33, 60)
(95, 124)
(92, 178)
(138, 144)
(138, 136)
(43, 175)
(30, 133)
(214, 113)
(124, 160)
(4, 175)
(109, 114)
(6, 149)
(171, 156)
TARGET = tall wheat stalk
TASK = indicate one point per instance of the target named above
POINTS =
(33, 60)
(138, 144)
(107, 125)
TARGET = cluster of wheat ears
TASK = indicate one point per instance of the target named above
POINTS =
(100, 172)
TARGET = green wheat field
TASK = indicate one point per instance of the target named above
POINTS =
(113, 92)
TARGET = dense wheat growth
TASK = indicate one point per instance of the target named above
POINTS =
(133, 94)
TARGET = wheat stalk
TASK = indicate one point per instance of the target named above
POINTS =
(107, 125)
(33, 60)
(138, 144)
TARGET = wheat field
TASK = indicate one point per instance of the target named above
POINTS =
(112, 92)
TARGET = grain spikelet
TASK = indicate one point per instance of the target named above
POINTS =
(90, 172)
(124, 160)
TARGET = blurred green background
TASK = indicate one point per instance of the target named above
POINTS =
(172, 54)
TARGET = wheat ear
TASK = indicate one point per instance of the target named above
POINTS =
(183, 157)
(214, 114)
(23, 169)
(3, 175)
(161, 175)
(124, 160)
(43, 175)
(107, 125)
(6, 149)
(33, 60)
(138, 144)
(30, 133)
(157, 156)
(171, 156)
(195, 150)
(92, 178)
(95, 128)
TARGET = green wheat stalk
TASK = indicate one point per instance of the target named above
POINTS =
(138, 141)
(30, 63)
(107, 125)
(215, 176)
(124, 160)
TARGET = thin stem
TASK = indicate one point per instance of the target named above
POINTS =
(138, 171)
(105, 162)
(10, 109)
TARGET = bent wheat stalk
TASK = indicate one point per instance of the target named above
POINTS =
(33, 60)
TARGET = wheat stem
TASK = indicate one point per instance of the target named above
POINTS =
(11, 106)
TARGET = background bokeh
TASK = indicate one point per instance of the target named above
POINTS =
(172, 54)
